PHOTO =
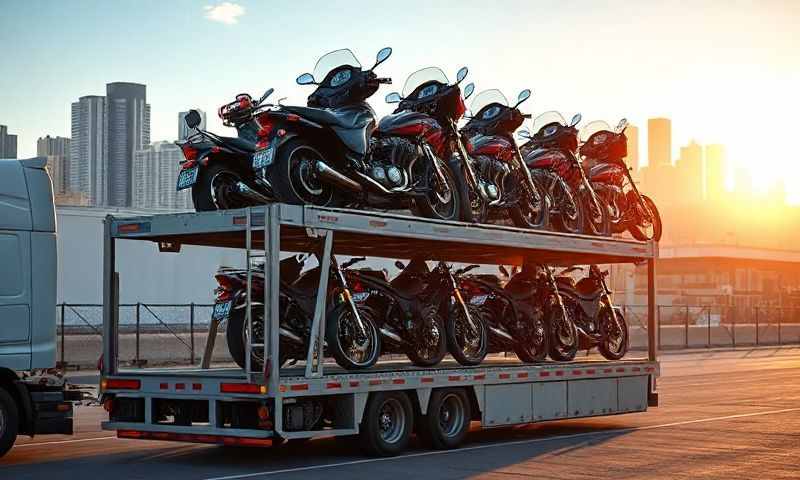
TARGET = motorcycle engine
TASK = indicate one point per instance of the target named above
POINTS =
(390, 157)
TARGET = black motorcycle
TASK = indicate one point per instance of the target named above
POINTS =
(351, 334)
(217, 168)
(333, 153)
(503, 178)
(600, 324)
(551, 154)
(423, 313)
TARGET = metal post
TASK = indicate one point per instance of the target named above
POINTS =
(272, 258)
(658, 315)
(780, 318)
(315, 355)
(191, 332)
(733, 326)
(110, 314)
(652, 327)
(686, 328)
(708, 324)
(756, 326)
(63, 345)
(248, 348)
(138, 308)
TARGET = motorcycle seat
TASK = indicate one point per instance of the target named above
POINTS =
(377, 274)
(346, 118)
(588, 289)
(239, 143)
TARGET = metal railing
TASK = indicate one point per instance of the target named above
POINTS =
(161, 333)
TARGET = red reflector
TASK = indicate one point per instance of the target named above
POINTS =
(559, 373)
(375, 382)
(239, 388)
(129, 228)
(281, 132)
(239, 220)
(121, 384)
(544, 374)
(620, 370)
(189, 152)
(299, 387)
(504, 376)
(197, 386)
(608, 370)
(480, 377)
(163, 386)
(354, 384)
(454, 378)
(333, 385)
(398, 381)
(522, 375)
(180, 386)
(293, 118)
(426, 379)
(577, 372)
(589, 372)
(636, 369)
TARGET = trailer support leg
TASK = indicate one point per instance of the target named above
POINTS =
(110, 302)
(652, 328)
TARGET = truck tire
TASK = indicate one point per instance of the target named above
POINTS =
(448, 418)
(387, 424)
(9, 422)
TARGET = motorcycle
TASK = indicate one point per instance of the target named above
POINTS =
(333, 153)
(603, 150)
(351, 335)
(550, 153)
(600, 324)
(217, 168)
(423, 313)
(503, 176)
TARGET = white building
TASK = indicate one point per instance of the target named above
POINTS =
(57, 150)
(183, 129)
(155, 174)
(87, 168)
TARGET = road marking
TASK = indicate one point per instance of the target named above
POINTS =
(499, 444)
(36, 444)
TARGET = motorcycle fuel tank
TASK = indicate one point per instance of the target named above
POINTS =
(413, 124)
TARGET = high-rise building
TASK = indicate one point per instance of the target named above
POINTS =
(183, 129)
(715, 171)
(127, 130)
(57, 150)
(689, 171)
(659, 142)
(8, 143)
(632, 159)
(155, 174)
(87, 166)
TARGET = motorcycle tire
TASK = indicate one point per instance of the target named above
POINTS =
(532, 345)
(618, 349)
(455, 330)
(540, 220)
(424, 331)
(600, 226)
(335, 331)
(561, 350)
(293, 175)
(208, 194)
(638, 231)
(561, 221)
(456, 181)
(235, 336)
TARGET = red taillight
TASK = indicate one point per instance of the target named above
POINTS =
(266, 125)
(293, 118)
(242, 388)
(357, 286)
(227, 282)
(262, 144)
(189, 152)
(108, 405)
(120, 384)
(468, 145)
(469, 289)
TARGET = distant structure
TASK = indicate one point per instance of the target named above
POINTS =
(106, 131)
(8, 143)
(689, 171)
(659, 142)
(57, 151)
(183, 129)
(715, 171)
(88, 170)
(632, 160)
(155, 174)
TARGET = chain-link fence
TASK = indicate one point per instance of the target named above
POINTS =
(175, 334)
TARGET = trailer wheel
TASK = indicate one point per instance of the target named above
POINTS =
(387, 424)
(448, 418)
(9, 422)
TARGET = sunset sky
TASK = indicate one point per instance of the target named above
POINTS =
(724, 71)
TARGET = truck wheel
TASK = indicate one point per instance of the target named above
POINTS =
(9, 422)
(386, 427)
(448, 418)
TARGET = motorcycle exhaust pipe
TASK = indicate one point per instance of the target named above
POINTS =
(291, 336)
(501, 333)
(247, 192)
(392, 336)
(333, 176)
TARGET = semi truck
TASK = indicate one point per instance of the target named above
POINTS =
(266, 404)
(33, 400)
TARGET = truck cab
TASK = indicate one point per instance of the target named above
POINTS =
(31, 401)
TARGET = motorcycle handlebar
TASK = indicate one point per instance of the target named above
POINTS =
(527, 115)
(352, 262)
(466, 269)
(385, 80)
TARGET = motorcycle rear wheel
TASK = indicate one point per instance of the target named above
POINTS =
(214, 189)
(294, 177)
(614, 338)
(468, 348)
(342, 338)
(563, 336)
(439, 204)
(640, 231)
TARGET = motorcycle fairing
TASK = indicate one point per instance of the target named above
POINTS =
(496, 146)
(353, 124)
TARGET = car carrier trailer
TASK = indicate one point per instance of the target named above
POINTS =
(384, 404)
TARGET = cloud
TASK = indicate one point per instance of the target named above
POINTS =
(225, 12)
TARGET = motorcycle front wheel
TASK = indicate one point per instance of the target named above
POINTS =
(532, 209)
(563, 335)
(645, 229)
(596, 222)
(427, 343)
(614, 335)
(352, 349)
(468, 347)
(532, 340)
(442, 202)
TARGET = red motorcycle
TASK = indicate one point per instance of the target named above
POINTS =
(603, 150)
(551, 154)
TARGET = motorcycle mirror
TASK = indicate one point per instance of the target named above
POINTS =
(524, 133)
(399, 264)
(523, 95)
(503, 271)
(462, 74)
(266, 94)
(393, 97)
(622, 125)
(306, 79)
(468, 90)
(193, 119)
(576, 119)
(382, 55)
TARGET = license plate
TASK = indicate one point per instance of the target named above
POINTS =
(478, 299)
(187, 178)
(360, 297)
(263, 158)
(222, 310)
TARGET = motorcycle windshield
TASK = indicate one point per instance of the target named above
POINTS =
(487, 97)
(592, 128)
(421, 77)
(332, 61)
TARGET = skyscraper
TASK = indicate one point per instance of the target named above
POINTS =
(690, 173)
(127, 130)
(57, 150)
(183, 129)
(715, 171)
(155, 174)
(632, 159)
(8, 143)
(87, 167)
(659, 142)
